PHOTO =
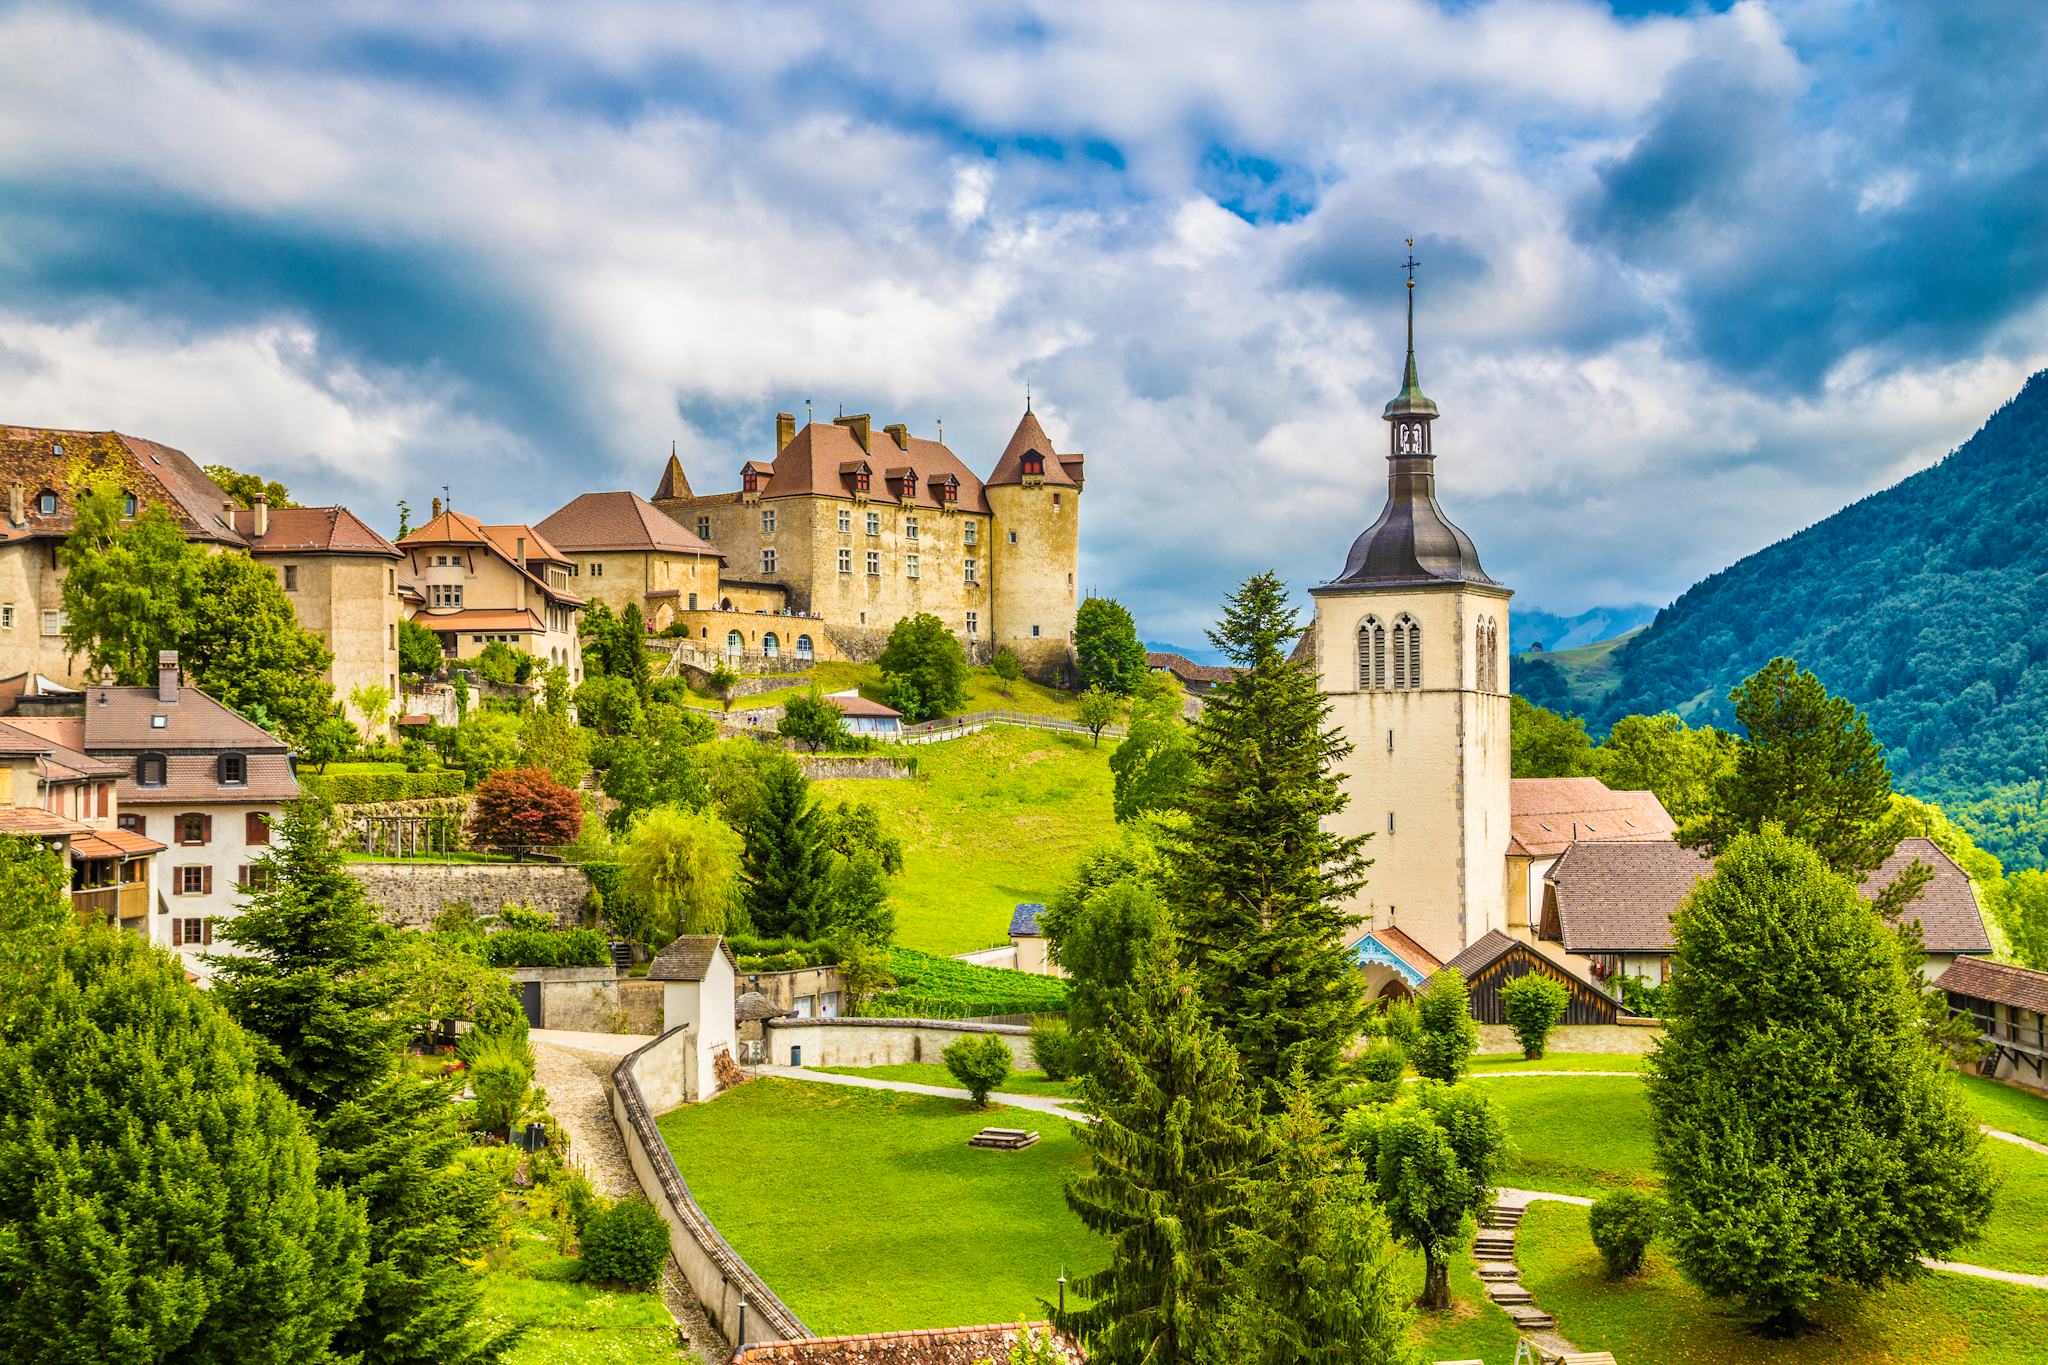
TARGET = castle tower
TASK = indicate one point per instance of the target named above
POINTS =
(1411, 647)
(1034, 494)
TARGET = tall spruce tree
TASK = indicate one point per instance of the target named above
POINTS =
(786, 866)
(1808, 1130)
(1311, 1280)
(1260, 881)
(1173, 1137)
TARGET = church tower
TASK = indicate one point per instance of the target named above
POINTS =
(1411, 647)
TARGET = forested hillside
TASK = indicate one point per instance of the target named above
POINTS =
(1926, 604)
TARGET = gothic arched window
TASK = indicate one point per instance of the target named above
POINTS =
(1407, 653)
(1372, 655)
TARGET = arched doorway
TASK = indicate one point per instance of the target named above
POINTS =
(803, 648)
(770, 646)
(734, 645)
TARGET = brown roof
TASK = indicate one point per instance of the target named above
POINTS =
(754, 1005)
(480, 619)
(2001, 982)
(1546, 814)
(459, 528)
(194, 779)
(156, 474)
(313, 530)
(619, 521)
(674, 483)
(933, 1346)
(115, 843)
(62, 741)
(1408, 950)
(816, 460)
(1031, 436)
(119, 720)
(1186, 669)
(689, 958)
(857, 705)
(21, 742)
(1617, 896)
(36, 821)
(1620, 897)
(1493, 945)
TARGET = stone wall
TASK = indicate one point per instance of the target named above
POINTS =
(882, 1042)
(1625, 1039)
(585, 999)
(700, 679)
(411, 894)
(652, 1081)
(823, 766)
(640, 1001)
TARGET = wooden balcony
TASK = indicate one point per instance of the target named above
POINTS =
(126, 905)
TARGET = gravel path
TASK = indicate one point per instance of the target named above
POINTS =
(579, 1096)
(1044, 1104)
(2014, 1138)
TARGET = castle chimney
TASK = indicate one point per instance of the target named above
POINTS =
(167, 677)
(858, 425)
(17, 507)
(900, 434)
(785, 430)
(262, 515)
(437, 507)
(519, 549)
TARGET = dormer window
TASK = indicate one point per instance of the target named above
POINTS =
(149, 770)
(751, 480)
(46, 503)
(1034, 464)
(234, 770)
(128, 506)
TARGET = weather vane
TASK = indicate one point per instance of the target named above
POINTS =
(1410, 264)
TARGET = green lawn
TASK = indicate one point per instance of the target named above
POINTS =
(1934, 1320)
(1561, 1061)
(2007, 1107)
(530, 1281)
(990, 820)
(1576, 1135)
(2017, 1236)
(866, 1210)
(935, 1073)
(985, 692)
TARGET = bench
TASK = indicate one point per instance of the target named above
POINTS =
(1003, 1139)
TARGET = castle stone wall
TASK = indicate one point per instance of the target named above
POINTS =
(411, 894)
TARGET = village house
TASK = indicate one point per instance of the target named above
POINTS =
(56, 792)
(699, 977)
(335, 570)
(475, 585)
(623, 552)
(2010, 1007)
(864, 718)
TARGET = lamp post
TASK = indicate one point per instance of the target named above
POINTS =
(1063, 1291)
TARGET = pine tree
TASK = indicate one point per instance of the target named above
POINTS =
(1171, 1141)
(1260, 882)
(162, 1199)
(1312, 1267)
(787, 865)
(306, 984)
(1807, 1129)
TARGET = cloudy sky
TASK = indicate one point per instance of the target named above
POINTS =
(1693, 275)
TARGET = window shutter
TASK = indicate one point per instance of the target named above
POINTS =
(206, 881)
(177, 933)
(206, 930)
(206, 830)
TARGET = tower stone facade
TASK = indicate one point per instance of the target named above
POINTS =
(1411, 647)
(1034, 494)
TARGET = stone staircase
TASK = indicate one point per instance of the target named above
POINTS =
(1494, 1249)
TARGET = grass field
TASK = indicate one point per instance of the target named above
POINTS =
(1576, 1135)
(1934, 1320)
(1560, 1061)
(2007, 1108)
(529, 1281)
(935, 1073)
(990, 820)
(1589, 669)
(985, 692)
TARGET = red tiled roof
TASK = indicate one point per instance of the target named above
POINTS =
(817, 459)
(933, 1346)
(2000, 982)
(1546, 814)
(114, 843)
(459, 528)
(63, 748)
(619, 521)
(481, 619)
(313, 530)
(860, 706)
(1408, 950)
(33, 820)
(156, 474)
(1029, 435)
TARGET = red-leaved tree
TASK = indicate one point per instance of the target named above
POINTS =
(522, 808)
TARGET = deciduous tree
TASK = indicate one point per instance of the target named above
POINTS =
(1432, 1156)
(129, 589)
(1098, 710)
(1152, 767)
(1534, 1003)
(923, 655)
(419, 651)
(1446, 1035)
(1807, 1130)
(522, 809)
(246, 649)
(812, 721)
(1545, 744)
(683, 866)
(1107, 648)
(1661, 754)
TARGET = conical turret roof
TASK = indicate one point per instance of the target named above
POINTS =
(1029, 435)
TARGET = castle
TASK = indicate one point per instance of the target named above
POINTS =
(850, 530)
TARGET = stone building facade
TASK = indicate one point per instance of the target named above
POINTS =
(474, 585)
(623, 552)
(856, 529)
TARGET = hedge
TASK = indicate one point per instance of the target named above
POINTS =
(929, 987)
(357, 789)
(547, 948)
(786, 954)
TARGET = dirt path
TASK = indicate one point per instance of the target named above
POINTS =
(579, 1097)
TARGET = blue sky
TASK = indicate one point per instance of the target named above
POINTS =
(1693, 275)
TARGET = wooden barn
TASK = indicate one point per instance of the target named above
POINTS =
(1496, 959)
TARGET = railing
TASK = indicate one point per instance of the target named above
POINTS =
(975, 718)
(114, 902)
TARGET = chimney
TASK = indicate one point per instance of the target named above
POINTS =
(167, 677)
(900, 434)
(785, 430)
(227, 513)
(858, 425)
(17, 506)
(437, 507)
(262, 511)
(519, 548)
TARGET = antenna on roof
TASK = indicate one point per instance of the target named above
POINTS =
(447, 498)
(1027, 395)
(942, 431)
(807, 412)
(842, 409)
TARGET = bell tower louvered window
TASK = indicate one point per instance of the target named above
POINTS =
(1372, 655)
(1407, 653)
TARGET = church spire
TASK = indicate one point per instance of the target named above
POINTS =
(1410, 402)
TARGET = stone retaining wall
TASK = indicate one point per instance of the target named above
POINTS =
(883, 1042)
(819, 767)
(652, 1081)
(1636, 1039)
(411, 894)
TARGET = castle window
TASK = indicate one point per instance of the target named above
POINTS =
(596, 570)
(1034, 463)
(803, 648)
(1034, 632)
(845, 521)
(291, 578)
(874, 523)
(874, 563)
(1372, 655)
(973, 623)
(768, 521)
(967, 571)
(770, 646)
(693, 601)
(845, 561)
(1013, 537)
(7, 617)
(1407, 653)
(1055, 504)
(910, 566)
(968, 533)
(767, 561)
(703, 528)
(910, 528)
(128, 504)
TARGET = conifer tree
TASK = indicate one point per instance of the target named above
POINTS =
(1171, 1141)
(161, 1199)
(1807, 1129)
(786, 865)
(1312, 1267)
(1260, 882)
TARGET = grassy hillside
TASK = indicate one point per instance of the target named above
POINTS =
(985, 691)
(990, 820)
(1573, 681)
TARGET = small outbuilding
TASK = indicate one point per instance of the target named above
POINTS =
(698, 976)
(750, 1014)
(1029, 941)
(1495, 959)
(2010, 1005)
(864, 717)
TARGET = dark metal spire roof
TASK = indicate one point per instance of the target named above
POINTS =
(1413, 542)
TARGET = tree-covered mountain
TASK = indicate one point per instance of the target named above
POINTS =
(1926, 604)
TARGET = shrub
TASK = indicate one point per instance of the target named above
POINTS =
(625, 1244)
(1533, 1004)
(1006, 666)
(501, 1074)
(360, 788)
(1055, 1048)
(547, 948)
(1448, 1036)
(980, 1064)
(813, 722)
(1623, 1224)
(1641, 998)
(1403, 1023)
(523, 808)
(579, 1198)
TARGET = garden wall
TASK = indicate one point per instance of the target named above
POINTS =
(640, 999)
(882, 1042)
(652, 1081)
(411, 894)
(825, 766)
(1636, 1039)
(585, 999)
